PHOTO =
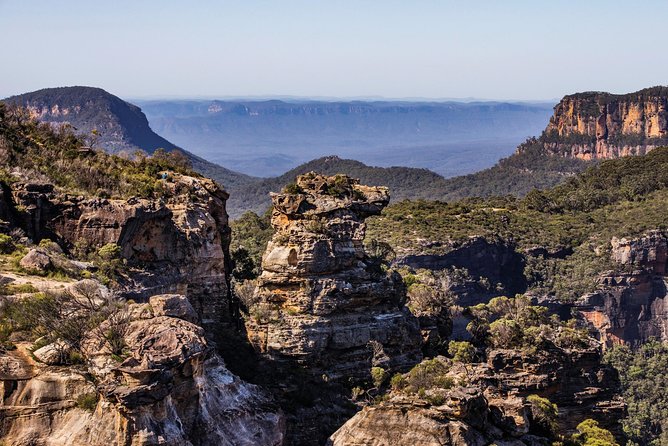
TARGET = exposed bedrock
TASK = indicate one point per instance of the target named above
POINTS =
(171, 389)
(178, 243)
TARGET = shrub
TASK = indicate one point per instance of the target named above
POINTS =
(87, 401)
(590, 434)
(109, 260)
(429, 374)
(461, 351)
(6, 244)
(292, 188)
(544, 413)
(398, 382)
(378, 375)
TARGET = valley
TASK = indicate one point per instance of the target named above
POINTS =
(135, 311)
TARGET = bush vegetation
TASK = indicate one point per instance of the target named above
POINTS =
(578, 218)
(42, 152)
(642, 373)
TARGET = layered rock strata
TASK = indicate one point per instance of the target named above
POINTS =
(631, 305)
(488, 402)
(171, 388)
(599, 125)
(325, 303)
(175, 244)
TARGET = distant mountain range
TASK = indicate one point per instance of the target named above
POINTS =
(267, 138)
(581, 124)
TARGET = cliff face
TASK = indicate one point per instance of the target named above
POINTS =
(326, 303)
(602, 125)
(172, 388)
(176, 244)
(325, 311)
(489, 404)
(632, 306)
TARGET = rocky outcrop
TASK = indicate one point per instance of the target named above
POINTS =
(496, 261)
(490, 406)
(631, 304)
(326, 312)
(463, 419)
(599, 125)
(327, 305)
(175, 244)
(172, 388)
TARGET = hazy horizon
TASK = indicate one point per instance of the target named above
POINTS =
(428, 50)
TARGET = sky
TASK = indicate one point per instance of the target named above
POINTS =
(503, 49)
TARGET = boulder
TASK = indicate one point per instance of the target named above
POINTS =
(174, 305)
(37, 260)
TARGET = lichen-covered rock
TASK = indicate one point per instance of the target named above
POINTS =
(36, 261)
(325, 303)
(173, 305)
(172, 389)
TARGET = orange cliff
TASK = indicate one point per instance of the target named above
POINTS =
(598, 125)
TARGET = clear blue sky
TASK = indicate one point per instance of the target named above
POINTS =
(503, 49)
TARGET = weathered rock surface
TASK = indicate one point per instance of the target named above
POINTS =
(631, 306)
(496, 261)
(491, 407)
(326, 311)
(178, 244)
(36, 260)
(172, 389)
(326, 302)
(599, 125)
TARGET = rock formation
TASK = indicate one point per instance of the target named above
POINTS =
(172, 388)
(601, 125)
(631, 305)
(176, 244)
(326, 303)
(486, 403)
(326, 312)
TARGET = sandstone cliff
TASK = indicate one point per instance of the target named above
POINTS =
(631, 305)
(326, 302)
(171, 388)
(175, 244)
(601, 125)
(325, 311)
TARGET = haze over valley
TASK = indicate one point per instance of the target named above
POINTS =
(268, 138)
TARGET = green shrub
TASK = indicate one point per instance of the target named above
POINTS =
(398, 381)
(378, 375)
(87, 401)
(544, 413)
(590, 434)
(461, 351)
(6, 244)
(292, 188)
(429, 374)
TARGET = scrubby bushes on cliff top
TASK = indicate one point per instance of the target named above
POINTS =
(579, 217)
(60, 157)
(516, 323)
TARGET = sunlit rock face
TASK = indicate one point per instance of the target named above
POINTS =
(170, 389)
(175, 244)
(631, 305)
(599, 125)
(323, 302)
